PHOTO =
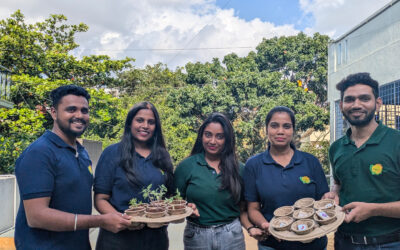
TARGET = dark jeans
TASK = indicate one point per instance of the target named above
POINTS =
(144, 239)
(342, 243)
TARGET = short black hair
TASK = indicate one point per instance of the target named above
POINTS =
(57, 94)
(358, 78)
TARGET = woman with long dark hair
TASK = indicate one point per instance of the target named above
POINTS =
(210, 178)
(279, 177)
(127, 167)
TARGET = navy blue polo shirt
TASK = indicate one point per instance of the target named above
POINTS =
(274, 186)
(51, 168)
(110, 178)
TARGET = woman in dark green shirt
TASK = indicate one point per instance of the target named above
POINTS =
(210, 178)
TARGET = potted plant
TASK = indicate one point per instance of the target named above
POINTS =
(156, 208)
(177, 199)
(136, 208)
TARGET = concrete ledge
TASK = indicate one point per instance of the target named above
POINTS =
(8, 202)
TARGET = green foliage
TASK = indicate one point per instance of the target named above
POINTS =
(244, 88)
(298, 58)
(320, 150)
(133, 202)
(41, 50)
(18, 128)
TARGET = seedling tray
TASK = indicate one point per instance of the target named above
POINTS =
(319, 230)
(165, 219)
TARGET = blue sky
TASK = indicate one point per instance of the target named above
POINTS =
(175, 32)
(279, 12)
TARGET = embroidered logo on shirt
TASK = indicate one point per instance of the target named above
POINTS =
(90, 169)
(305, 179)
(376, 169)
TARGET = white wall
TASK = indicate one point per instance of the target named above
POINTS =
(373, 47)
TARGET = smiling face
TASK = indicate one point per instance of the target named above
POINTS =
(213, 139)
(280, 129)
(71, 116)
(359, 105)
(143, 126)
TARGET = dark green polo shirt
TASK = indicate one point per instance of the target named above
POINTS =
(199, 184)
(370, 173)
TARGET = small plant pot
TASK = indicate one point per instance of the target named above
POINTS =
(160, 203)
(325, 204)
(282, 223)
(302, 227)
(155, 212)
(178, 202)
(303, 213)
(325, 217)
(177, 209)
(284, 211)
(305, 202)
(135, 211)
(142, 205)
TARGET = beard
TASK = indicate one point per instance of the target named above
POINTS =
(360, 122)
(66, 129)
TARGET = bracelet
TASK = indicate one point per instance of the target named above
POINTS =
(248, 229)
(76, 220)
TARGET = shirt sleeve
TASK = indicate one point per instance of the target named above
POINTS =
(105, 170)
(182, 177)
(249, 180)
(330, 154)
(320, 179)
(35, 173)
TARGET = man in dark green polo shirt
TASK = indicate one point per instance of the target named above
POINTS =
(366, 167)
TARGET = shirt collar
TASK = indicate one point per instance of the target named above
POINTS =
(54, 138)
(296, 159)
(201, 159)
(375, 138)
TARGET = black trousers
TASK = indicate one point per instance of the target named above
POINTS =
(144, 239)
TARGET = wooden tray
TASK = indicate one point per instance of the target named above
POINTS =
(318, 232)
(166, 219)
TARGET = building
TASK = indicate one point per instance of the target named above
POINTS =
(5, 84)
(372, 46)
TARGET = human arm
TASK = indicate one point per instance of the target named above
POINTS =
(333, 194)
(252, 229)
(360, 211)
(182, 177)
(40, 215)
(253, 209)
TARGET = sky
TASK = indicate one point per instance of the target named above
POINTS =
(175, 32)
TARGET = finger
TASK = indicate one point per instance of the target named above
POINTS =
(349, 217)
(125, 216)
(349, 206)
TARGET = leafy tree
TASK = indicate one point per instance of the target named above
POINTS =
(298, 58)
(42, 50)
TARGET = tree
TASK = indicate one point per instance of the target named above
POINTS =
(42, 50)
(298, 58)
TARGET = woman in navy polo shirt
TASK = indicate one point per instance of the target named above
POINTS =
(276, 177)
(124, 169)
(210, 178)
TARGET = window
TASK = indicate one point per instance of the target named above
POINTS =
(339, 54)
(389, 113)
(340, 123)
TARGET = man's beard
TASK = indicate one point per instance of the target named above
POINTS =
(69, 132)
(360, 122)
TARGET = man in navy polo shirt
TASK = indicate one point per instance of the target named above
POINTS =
(54, 176)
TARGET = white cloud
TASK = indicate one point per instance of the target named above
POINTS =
(133, 27)
(336, 17)
(128, 28)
